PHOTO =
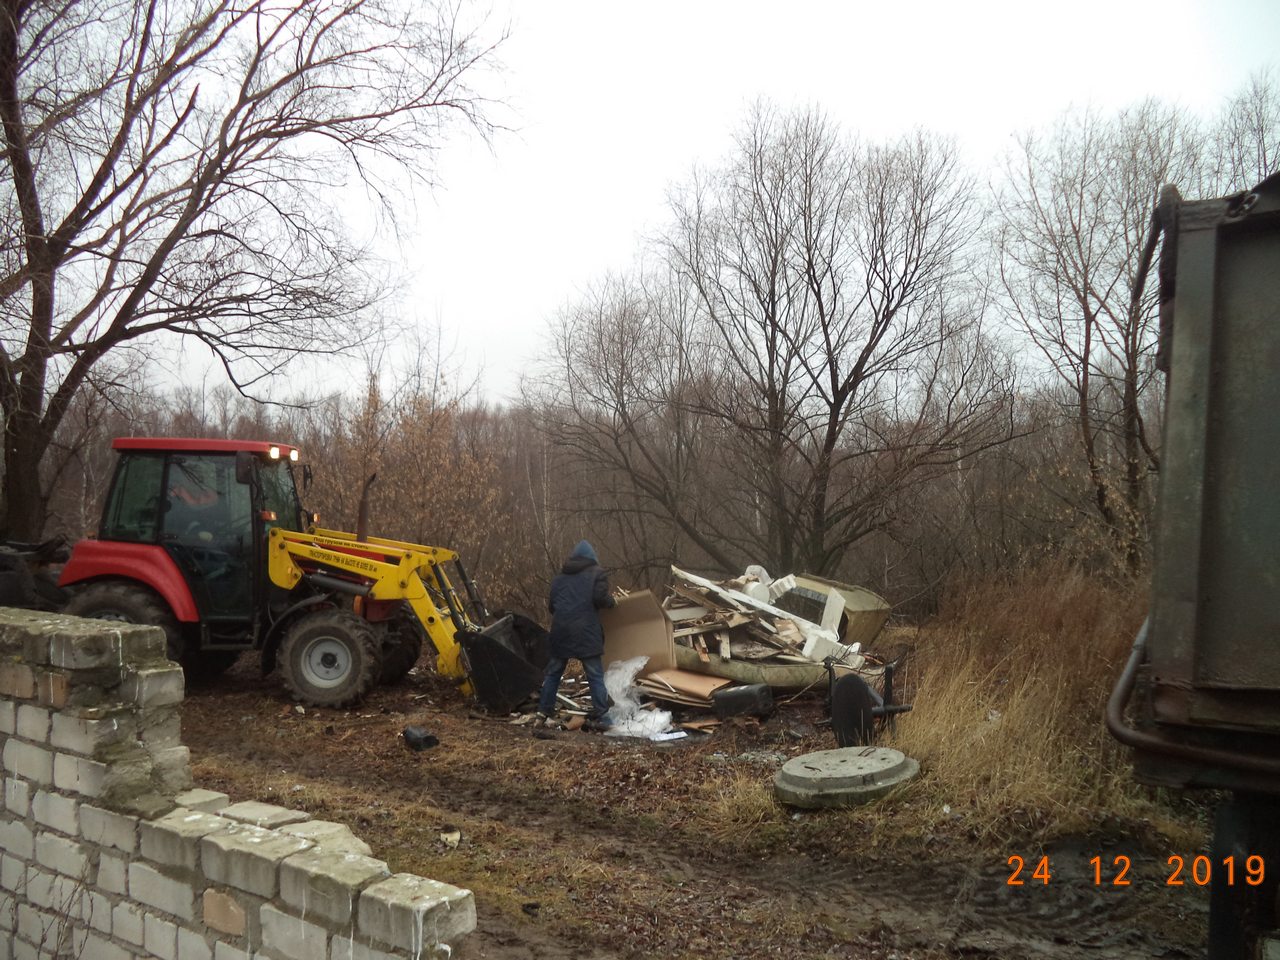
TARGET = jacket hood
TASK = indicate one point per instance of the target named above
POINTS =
(584, 549)
(577, 564)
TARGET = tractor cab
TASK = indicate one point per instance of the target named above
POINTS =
(187, 522)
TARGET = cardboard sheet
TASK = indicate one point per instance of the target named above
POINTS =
(687, 682)
(638, 627)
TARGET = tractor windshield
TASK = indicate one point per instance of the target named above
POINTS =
(279, 495)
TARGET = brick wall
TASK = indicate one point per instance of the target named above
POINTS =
(108, 853)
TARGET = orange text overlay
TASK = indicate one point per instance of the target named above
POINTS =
(1118, 871)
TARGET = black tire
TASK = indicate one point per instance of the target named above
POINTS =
(330, 658)
(129, 603)
(401, 648)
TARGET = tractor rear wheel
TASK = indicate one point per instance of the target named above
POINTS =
(129, 603)
(330, 658)
(401, 648)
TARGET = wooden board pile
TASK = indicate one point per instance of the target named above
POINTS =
(721, 619)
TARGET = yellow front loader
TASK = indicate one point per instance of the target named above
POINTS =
(405, 592)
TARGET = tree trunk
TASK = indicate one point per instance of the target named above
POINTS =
(25, 504)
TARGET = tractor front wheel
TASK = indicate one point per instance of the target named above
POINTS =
(330, 658)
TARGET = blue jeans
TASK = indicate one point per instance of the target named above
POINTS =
(594, 670)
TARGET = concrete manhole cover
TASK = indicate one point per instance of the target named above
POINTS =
(844, 777)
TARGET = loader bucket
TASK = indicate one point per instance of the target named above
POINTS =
(500, 674)
(530, 638)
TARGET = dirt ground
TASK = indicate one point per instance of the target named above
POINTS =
(592, 847)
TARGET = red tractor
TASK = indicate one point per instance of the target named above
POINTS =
(207, 539)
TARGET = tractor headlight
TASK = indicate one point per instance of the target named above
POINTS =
(293, 455)
(274, 453)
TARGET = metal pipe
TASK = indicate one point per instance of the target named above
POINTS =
(1157, 743)
(337, 583)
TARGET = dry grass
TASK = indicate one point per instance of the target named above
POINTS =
(1010, 682)
(739, 805)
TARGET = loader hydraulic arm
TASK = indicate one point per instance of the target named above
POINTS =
(382, 570)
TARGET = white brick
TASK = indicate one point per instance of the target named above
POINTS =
(88, 736)
(150, 886)
(100, 949)
(160, 937)
(192, 946)
(53, 892)
(347, 948)
(267, 815)
(77, 775)
(108, 828)
(56, 811)
(95, 910)
(224, 951)
(410, 912)
(29, 761)
(8, 717)
(160, 728)
(126, 922)
(286, 933)
(248, 858)
(36, 926)
(171, 769)
(328, 836)
(48, 929)
(17, 796)
(71, 652)
(154, 686)
(112, 873)
(206, 801)
(325, 884)
(62, 855)
(174, 839)
(33, 723)
(13, 873)
(8, 912)
(17, 839)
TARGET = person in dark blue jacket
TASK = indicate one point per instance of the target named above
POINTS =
(577, 593)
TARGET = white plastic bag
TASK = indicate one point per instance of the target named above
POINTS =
(626, 717)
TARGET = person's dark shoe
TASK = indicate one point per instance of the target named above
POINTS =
(598, 726)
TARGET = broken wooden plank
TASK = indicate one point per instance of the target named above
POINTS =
(701, 646)
(725, 652)
(683, 614)
(699, 628)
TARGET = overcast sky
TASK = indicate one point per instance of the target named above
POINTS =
(613, 102)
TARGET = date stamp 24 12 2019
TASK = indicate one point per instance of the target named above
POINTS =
(1118, 871)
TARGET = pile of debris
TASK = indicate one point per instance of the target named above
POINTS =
(726, 648)
(795, 620)
(712, 650)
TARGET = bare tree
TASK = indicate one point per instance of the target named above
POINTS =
(1247, 140)
(834, 280)
(171, 170)
(809, 350)
(1075, 215)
